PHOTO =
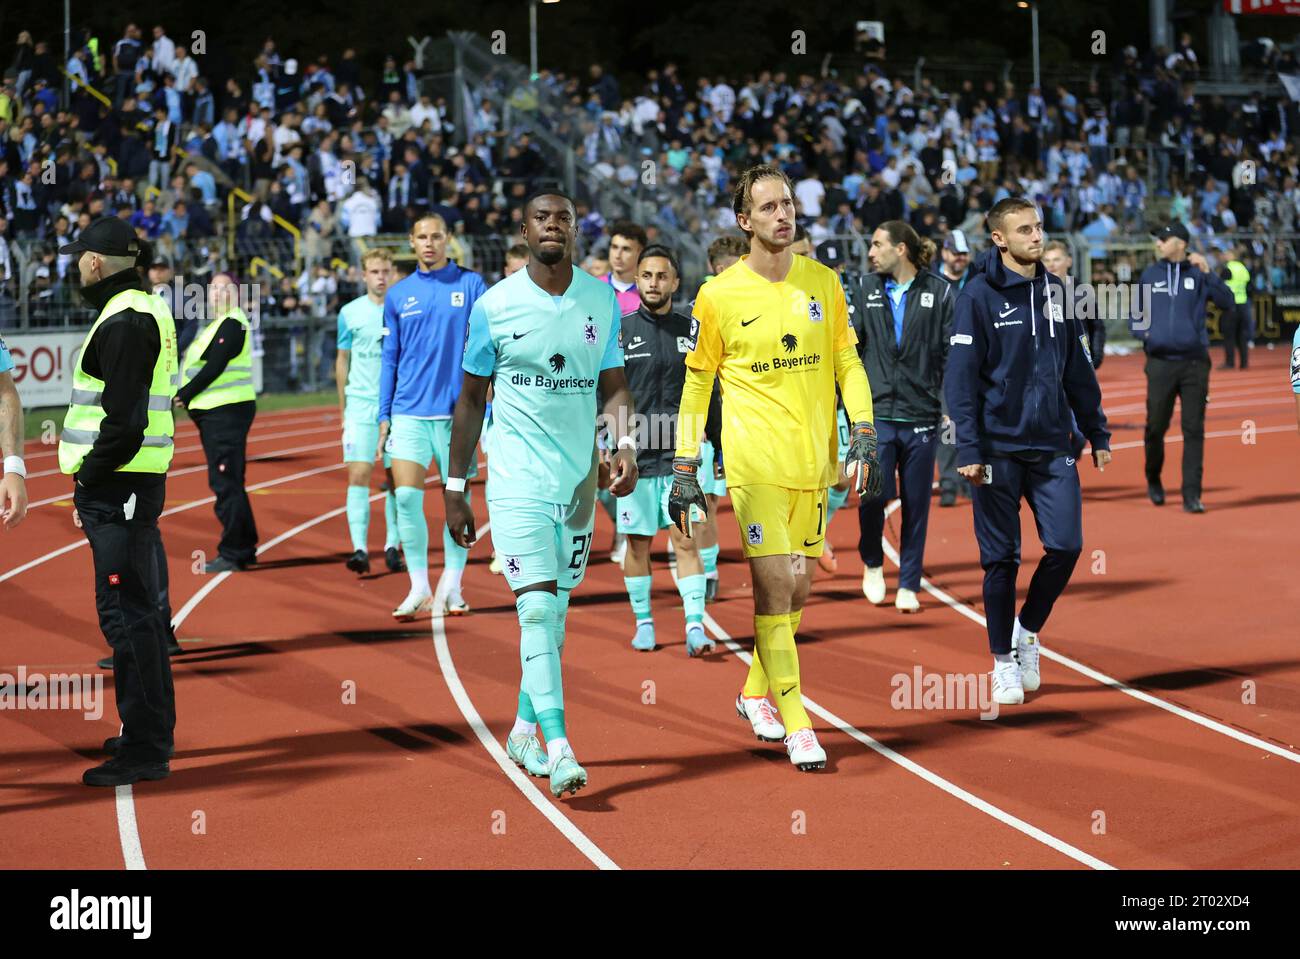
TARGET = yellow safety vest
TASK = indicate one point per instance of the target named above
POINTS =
(86, 410)
(1239, 281)
(235, 384)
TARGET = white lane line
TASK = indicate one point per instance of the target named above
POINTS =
(186, 431)
(1272, 399)
(193, 449)
(1217, 434)
(1096, 675)
(916, 769)
(567, 829)
(132, 854)
(167, 512)
(197, 469)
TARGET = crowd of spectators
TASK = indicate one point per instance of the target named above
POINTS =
(337, 148)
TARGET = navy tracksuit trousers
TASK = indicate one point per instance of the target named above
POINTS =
(909, 450)
(1050, 483)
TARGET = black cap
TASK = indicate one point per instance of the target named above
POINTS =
(108, 236)
(830, 253)
(1173, 228)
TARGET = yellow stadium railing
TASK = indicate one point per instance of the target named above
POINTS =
(88, 88)
(281, 222)
(257, 263)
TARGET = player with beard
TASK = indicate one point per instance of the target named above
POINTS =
(545, 337)
(1018, 367)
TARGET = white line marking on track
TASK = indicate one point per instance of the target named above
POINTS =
(132, 854)
(567, 828)
(1097, 675)
(934, 779)
(200, 468)
(167, 512)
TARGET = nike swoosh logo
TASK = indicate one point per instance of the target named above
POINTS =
(813, 543)
(520, 336)
(747, 322)
(1009, 312)
(535, 655)
(786, 692)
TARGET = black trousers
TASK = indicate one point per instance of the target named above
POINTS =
(1236, 334)
(1188, 381)
(120, 521)
(224, 432)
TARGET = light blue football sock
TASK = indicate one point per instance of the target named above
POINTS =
(691, 589)
(538, 657)
(414, 529)
(391, 535)
(709, 556)
(358, 515)
(638, 591)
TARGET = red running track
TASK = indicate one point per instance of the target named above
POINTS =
(1192, 764)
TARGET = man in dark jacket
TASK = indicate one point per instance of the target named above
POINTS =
(117, 445)
(903, 319)
(656, 340)
(1172, 329)
(1018, 366)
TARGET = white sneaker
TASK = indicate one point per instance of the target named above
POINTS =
(415, 602)
(1007, 687)
(762, 716)
(453, 603)
(619, 549)
(906, 601)
(1024, 646)
(873, 584)
(804, 750)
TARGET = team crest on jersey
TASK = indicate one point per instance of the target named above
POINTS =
(1054, 311)
(513, 566)
(754, 534)
(457, 298)
(627, 518)
(927, 299)
(589, 334)
(684, 344)
(1189, 283)
(814, 311)
(410, 301)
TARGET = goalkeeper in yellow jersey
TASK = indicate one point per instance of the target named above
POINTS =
(774, 328)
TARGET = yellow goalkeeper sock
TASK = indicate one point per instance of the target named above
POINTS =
(756, 683)
(774, 644)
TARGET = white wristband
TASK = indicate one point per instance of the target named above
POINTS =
(455, 484)
(15, 464)
(627, 443)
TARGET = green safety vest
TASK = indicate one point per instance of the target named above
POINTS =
(86, 410)
(235, 384)
(1239, 281)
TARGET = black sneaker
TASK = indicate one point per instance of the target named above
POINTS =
(393, 559)
(113, 745)
(1193, 504)
(947, 497)
(359, 562)
(1156, 493)
(223, 565)
(123, 772)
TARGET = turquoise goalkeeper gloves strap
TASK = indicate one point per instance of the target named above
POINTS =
(685, 493)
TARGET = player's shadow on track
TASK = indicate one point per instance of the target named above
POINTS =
(194, 655)
(1109, 586)
(1265, 499)
(660, 771)
(1206, 676)
(328, 559)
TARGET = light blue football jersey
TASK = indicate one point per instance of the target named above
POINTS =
(546, 354)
